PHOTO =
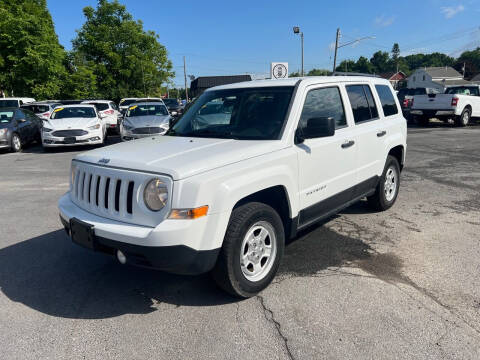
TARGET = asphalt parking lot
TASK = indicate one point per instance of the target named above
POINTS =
(400, 284)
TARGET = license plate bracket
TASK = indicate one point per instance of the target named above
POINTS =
(82, 233)
(69, 140)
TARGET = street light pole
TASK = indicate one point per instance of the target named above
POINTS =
(296, 30)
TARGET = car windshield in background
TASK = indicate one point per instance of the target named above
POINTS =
(73, 112)
(6, 116)
(8, 103)
(100, 106)
(463, 90)
(36, 108)
(146, 110)
(244, 114)
(127, 102)
(170, 102)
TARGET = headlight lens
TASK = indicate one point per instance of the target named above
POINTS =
(94, 127)
(3, 132)
(155, 195)
(47, 130)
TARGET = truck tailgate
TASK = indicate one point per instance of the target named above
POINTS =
(433, 102)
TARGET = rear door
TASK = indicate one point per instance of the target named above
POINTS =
(22, 125)
(327, 165)
(367, 131)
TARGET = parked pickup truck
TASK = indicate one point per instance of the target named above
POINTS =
(223, 190)
(459, 103)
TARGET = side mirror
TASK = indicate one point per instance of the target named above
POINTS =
(19, 121)
(316, 128)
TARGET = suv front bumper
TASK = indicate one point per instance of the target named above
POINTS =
(168, 247)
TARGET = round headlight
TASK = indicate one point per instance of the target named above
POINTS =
(155, 195)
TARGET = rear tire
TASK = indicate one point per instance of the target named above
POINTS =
(464, 118)
(387, 189)
(252, 250)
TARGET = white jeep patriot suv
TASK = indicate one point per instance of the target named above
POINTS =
(245, 168)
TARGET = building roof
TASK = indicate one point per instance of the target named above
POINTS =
(476, 78)
(391, 75)
(453, 82)
(209, 81)
(442, 72)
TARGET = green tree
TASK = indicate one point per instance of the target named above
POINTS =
(319, 72)
(125, 59)
(346, 66)
(31, 58)
(79, 82)
(381, 62)
(471, 60)
(363, 65)
(395, 52)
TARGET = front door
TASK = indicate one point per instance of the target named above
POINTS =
(327, 165)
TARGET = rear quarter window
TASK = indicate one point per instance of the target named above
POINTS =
(387, 100)
(362, 103)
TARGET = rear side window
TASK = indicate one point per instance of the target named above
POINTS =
(100, 106)
(387, 100)
(363, 105)
(37, 108)
(324, 103)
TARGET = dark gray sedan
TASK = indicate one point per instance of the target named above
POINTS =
(144, 119)
(18, 127)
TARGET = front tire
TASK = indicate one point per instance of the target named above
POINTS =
(16, 144)
(252, 250)
(387, 189)
(464, 118)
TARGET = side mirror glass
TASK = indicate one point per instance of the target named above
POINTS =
(19, 121)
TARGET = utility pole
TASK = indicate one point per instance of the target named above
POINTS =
(336, 48)
(185, 78)
(464, 64)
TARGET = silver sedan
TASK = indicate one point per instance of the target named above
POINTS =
(145, 119)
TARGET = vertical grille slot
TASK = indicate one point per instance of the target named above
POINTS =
(117, 195)
(130, 197)
(89, 187)
(107, 186)
(98, 190)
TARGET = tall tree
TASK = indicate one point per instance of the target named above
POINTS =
(31, 58)
(381, 62)
(125, 59)
(395, 52)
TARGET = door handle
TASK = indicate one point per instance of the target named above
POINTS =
(348, 144)
(381, 133)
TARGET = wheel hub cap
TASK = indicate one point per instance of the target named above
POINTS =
(390, 186)
(258, 251)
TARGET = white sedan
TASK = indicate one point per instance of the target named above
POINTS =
(71, 125)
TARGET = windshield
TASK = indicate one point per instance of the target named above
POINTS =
(170, 102)
(127, 102)
(146, 110)
(246, 114)
(100, 106)
(73, 112)
(37, 108)
(8, 103)
(6, 116)
(463, 90)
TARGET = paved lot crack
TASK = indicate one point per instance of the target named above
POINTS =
(271, 318)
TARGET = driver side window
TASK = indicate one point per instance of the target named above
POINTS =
(323, 103)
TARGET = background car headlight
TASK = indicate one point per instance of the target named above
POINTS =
(3, 132)
(155, 195)
(47, 130)
(94, 127)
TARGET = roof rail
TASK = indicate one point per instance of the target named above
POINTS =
(340, 73)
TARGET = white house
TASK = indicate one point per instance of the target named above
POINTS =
(435, 77)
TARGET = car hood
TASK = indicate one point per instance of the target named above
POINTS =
(146, 121)
(179, 157)
(70, 123)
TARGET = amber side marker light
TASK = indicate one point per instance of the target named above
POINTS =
(182, 214)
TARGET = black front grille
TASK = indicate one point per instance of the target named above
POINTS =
(67, 133)
(148, 130)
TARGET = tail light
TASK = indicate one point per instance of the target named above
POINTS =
(405, 102)
(47, 114)
(108, 112)
(454, 101)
